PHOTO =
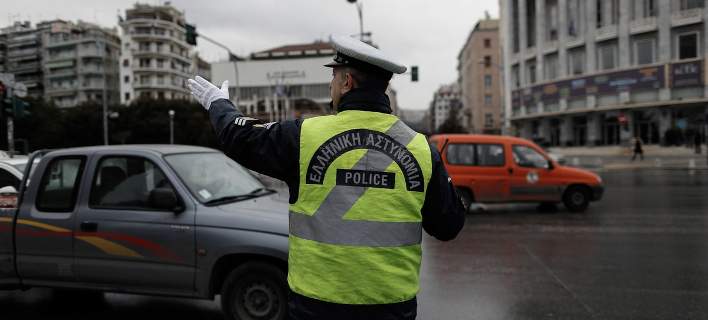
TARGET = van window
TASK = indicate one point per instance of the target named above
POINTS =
(482, 155)
(461, 154)
(60, 184)
(126, 183)
(490, 155)
(529, 158)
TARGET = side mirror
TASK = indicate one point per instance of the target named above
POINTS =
(8, 197)
(165, 199)
(550, 165)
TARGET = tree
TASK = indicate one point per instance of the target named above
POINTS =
(452, 123)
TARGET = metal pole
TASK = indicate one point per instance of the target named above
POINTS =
(105, 98)
(11, 135)
(172, 126)
(360, 8)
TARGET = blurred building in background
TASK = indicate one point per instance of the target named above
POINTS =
(286, 82)
(479, 70)
(600, 72)
(79, 63)
(447, 101)
(156, 59)
(21, 55)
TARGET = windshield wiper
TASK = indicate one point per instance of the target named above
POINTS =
(253, 194)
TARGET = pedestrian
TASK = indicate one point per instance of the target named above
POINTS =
(363, 186)
(638, 149)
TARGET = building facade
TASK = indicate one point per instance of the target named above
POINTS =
(80, 63)
(155, 60)
(479, 69)
(601, 72)
(282, 83)
(21, 47)
(446, 99)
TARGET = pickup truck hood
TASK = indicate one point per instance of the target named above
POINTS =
(265, 214)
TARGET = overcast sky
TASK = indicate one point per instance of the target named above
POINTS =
(427, 33)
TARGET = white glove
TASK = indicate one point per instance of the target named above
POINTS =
(206, 93)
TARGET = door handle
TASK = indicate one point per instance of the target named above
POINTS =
(88, 226)
(511, 170)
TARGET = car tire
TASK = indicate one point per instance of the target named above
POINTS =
(255, 291)
(576, 199)
(466, 197)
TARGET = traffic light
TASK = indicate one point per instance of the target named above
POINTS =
(20, 108)
(191, 34)
(414, 73)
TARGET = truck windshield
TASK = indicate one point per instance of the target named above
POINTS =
(213, 176)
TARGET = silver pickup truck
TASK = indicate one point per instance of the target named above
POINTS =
(148, 219)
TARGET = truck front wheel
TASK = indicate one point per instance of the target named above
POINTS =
(255, 291)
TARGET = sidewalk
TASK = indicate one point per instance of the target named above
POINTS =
(619, 158)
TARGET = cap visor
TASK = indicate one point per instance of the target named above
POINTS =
(334, 64)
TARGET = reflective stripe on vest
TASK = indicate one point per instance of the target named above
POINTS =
(327, 225)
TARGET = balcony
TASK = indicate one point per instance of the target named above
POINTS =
(575, 41)
(606, 33)
(686, 17)
(66, 73)
(23, 52)
(550, 47)
(641, 25)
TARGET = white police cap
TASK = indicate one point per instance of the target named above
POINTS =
(352, 52)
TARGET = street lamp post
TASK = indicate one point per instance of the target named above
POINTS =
(171, 113)
(360, 9)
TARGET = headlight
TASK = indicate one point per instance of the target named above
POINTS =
(599, 179)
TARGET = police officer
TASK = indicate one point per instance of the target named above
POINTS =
(362, 187)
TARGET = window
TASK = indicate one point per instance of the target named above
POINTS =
(126, 62)
(487, 43)
(126, 183)
(127, 96)
(528, 158)
(488, 120)
(515, 77)
(644, 9)
(607, 56)
(126, 79)
(576, 61)
(531, 23)
(599, 14)
(644, 51)
(487, 100)
(144, 79)
(575, 17)
(487, 61)
(487, 80)
(160, 63)
(160, 79)
(145, 63)
(551, 67)
(483, 155)
(551, 20)
(60, 185)
(690, 4)
(688, 45)
(144, 46)
(531, 72)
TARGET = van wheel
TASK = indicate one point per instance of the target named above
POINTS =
(255, 291)
(466, 197)
(576, 199)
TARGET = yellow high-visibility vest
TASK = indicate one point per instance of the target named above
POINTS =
(356, 228)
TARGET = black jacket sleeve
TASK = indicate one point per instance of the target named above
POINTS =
(271, 149)
(443, 212)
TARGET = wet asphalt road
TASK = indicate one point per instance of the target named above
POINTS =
(640, 253)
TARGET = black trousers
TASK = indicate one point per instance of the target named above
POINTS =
(304, 308)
